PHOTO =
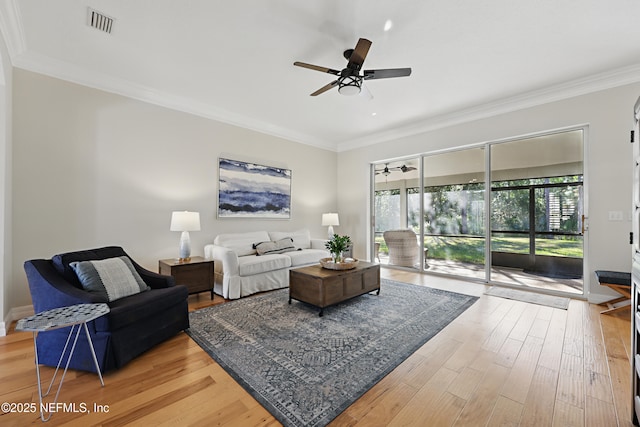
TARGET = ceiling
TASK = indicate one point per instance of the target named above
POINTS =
(554, 154)
(233, 61)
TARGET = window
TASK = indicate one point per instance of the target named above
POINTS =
(454, 209)
(554, 204)
(529, 204)
(387, 207)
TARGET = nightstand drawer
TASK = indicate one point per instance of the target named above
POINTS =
(196, 274)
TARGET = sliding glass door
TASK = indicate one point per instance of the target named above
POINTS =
(537, 210)
(431, 216)
(454, 212)
(433, 212)
(396, 231)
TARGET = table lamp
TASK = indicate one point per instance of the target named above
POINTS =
(185, 222)
(330, 219)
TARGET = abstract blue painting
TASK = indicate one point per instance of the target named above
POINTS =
(249, 190)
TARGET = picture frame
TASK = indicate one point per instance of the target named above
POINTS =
(252, 190)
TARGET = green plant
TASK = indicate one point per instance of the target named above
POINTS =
(336, 245)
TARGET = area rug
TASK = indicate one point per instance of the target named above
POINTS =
(305, 369)
(532, 297)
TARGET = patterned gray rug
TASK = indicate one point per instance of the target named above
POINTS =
(532, 297)
(307, 369)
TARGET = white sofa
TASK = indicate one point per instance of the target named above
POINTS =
(239, 271)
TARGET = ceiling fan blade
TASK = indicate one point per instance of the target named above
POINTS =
(325, 88)
(386, 73)
(359, 54)
(317, 68)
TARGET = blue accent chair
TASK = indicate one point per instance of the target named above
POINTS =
(135, 324)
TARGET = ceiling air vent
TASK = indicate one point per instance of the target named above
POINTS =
(100, 21)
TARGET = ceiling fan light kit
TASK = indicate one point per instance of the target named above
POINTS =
(387, 170)
(349, 81)
(350, 86)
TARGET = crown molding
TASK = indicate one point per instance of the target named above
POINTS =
(12, 31)
(570, 89)
(65, 71)
(11, 28)
(69, 72)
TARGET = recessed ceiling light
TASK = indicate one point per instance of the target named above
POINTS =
(374, 114)
(388, 24)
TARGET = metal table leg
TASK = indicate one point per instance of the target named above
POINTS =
(64, 350)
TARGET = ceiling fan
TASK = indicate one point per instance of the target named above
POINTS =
(387, 170)
(349, 81)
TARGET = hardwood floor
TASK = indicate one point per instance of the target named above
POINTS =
(501, 362)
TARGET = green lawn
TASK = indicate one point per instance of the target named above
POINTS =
(468, 249)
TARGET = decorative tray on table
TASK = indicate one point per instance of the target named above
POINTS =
(347, 264)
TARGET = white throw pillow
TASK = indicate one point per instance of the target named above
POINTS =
(241, 243)
(277, 247)
(301, 238)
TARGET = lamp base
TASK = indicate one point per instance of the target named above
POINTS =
(185, 247)
(331, 233)
(184, 260)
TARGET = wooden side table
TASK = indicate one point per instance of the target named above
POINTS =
(196, 274)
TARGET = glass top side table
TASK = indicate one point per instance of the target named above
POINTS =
(75, 315)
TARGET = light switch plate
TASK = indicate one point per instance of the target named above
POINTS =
(616, 216)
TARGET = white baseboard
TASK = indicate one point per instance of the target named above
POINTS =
(15, 313)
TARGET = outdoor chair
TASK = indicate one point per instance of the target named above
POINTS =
(403, 247)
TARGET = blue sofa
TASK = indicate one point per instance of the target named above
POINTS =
(135, 323)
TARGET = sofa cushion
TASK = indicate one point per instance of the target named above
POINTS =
(308, 256)
(250, 265)
(241, 243)
(301, 238)
(277, 247)
(112, 278)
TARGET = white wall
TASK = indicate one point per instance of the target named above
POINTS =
(92, 168)
(608, 168)
(5, 184)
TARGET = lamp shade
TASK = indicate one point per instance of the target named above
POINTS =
(330, 219)
(185, 221)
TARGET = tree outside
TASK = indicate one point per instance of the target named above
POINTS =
(454, 217)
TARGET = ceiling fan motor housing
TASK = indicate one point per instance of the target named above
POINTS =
(349, 81)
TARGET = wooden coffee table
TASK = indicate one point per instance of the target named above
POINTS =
(322, 287)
